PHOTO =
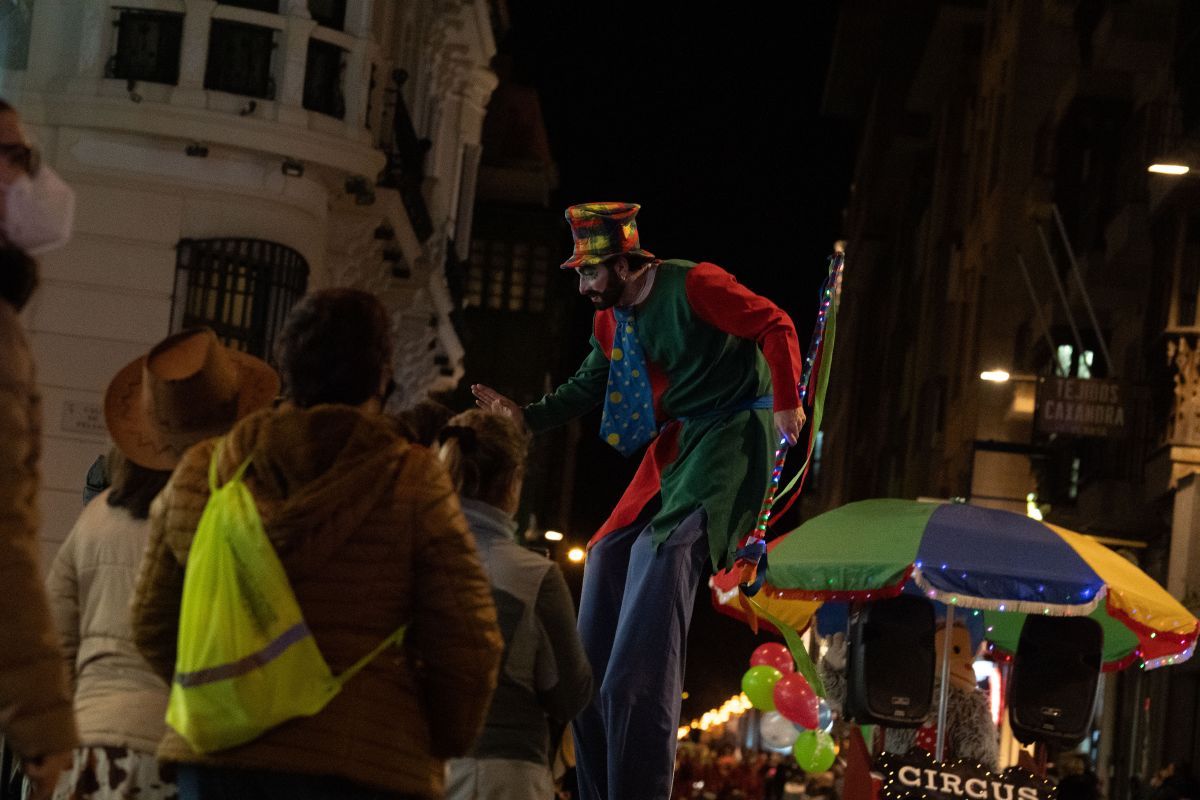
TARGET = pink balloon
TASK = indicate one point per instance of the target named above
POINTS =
(773, 654)
(797, 701)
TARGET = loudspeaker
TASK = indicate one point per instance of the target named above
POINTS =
(1052, 688)
(891, 662)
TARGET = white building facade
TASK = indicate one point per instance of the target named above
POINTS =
(230, 157)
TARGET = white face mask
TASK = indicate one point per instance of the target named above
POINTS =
(39, 211)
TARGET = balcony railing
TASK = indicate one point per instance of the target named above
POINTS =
(405, 169)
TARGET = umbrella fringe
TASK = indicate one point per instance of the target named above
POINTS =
(962, 600)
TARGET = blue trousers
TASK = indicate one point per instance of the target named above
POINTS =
(633, 619)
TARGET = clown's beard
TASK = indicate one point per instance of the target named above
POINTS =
(609, 297)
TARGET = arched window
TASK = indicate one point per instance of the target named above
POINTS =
(241, 288)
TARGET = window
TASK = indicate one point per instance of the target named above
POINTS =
(270, 6)
(997, 150)
(241, 288)
(1187, 281)
(507, 276)
(148, 45)
(239, 59)
(15, 22)
(323, 79)
(329, 13)
(1068, 365)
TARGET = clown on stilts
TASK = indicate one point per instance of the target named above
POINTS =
(688, 361)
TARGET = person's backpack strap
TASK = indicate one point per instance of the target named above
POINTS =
(212, 467)
(395, 638)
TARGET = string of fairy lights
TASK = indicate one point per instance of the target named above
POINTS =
(733, 707)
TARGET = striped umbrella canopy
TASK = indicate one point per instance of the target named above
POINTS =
(1004, 565)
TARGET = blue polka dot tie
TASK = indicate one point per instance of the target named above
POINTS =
(628, 421)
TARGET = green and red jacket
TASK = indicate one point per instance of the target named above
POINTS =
(713, 348)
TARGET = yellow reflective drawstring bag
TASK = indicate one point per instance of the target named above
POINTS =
(246, 660)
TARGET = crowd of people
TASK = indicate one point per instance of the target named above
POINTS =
(724, 772)
(385, 530)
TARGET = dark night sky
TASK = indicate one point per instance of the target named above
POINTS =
(710, 120)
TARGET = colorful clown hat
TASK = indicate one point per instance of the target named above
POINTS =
(601, 231)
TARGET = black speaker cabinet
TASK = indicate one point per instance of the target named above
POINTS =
(1052, 689)
(891, 662)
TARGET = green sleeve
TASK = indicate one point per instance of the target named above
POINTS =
(579, 395)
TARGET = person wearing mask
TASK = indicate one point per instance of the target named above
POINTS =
(370, 535)
(35, 705)
(186, 389)
(545, 675)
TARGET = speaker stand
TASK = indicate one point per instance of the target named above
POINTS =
(944, 691)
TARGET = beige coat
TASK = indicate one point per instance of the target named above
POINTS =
(35, 705)
(119, 700)
(370, 533)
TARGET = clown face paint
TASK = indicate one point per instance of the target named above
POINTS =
(601, 285)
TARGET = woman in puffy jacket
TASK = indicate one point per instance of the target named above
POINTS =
(369, 532)
(156, 408)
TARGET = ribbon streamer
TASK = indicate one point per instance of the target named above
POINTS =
(752, 553)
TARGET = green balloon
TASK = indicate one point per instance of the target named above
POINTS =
(814, 751)
(759, 685)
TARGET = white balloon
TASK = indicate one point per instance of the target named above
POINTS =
(824, 717)
(777, 730)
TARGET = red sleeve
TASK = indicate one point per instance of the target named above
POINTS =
(718, 299)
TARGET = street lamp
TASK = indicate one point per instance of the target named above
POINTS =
(1004, 376)
(575, 555)
(1169, 169)
(553, 536)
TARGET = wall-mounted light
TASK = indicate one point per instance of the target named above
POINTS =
(1169, 169)
(196, 150)
(1003, 376)
(292, 168)
(553, 536)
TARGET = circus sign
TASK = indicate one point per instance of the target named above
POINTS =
(917, 776)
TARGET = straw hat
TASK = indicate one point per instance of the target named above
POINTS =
(188, 388)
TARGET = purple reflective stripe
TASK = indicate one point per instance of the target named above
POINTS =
(274, 650)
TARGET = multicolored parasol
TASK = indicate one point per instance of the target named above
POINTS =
(1002, 564)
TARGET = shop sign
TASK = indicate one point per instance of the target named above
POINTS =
(1082, 407)
(916, 776)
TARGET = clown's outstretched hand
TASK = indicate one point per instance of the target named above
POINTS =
(489, 399)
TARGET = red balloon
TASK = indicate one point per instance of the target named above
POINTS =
(797, 701)
(773, 654)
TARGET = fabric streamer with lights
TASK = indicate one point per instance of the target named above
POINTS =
(750, 564)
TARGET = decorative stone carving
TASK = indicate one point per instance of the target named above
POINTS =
(1183, 354)
(354, 256)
